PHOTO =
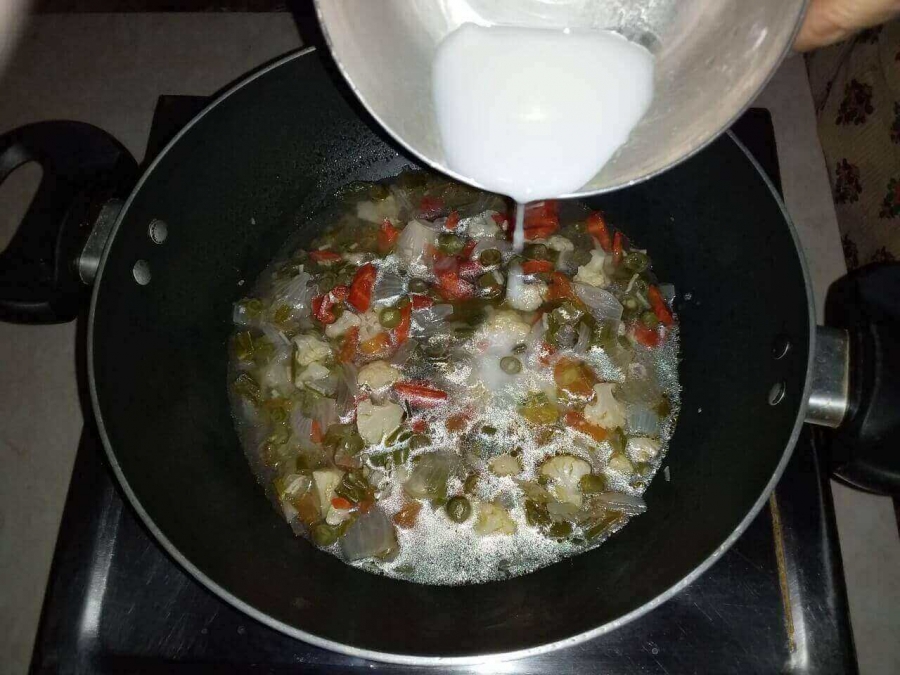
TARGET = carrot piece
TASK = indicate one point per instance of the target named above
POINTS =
(576, 420)
(341, 503)
(324, 256)
(420, 395)
(597, 228)
(347, 352)
(537, 266)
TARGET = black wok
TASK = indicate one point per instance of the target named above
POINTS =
(242, 177)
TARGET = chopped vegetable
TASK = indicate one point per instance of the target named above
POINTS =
(325, 256)
(510, 365)
(574, 378)
(660, 308)
(370, 535)
(361, 289)
(538, 409)
(618, 249)
(406, 517)
(645, 336)
(576, 421)
(493, 519)
(387, 236)
(428, 479)
(458, 509)
(324, 483)
(597, 228)
(378, 374)
(420, 395)
(505, 465)
(593, 273)
(374, 422)
(536, 266)
(605, 410)
(566, 472)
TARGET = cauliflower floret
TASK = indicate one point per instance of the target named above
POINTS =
(643, 449)
(503, 331)
(592, 273)
(378, 374)
(313, 372)
(560, 243)
(566, 471)
(605, 411)
(493, 519)
(337, 516)
(310, 349)
(620, 464)
(519, 295)
(357, 258)
(377, 211)
(369, 325)
(481, 226)
(374, 422)
(324, 483)
(344, 322)
(504, 465)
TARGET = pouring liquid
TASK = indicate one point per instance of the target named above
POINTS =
(535, 113)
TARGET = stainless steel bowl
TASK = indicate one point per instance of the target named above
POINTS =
(712, 58)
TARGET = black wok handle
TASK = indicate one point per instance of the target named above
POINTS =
(83, 166)
(865, 449)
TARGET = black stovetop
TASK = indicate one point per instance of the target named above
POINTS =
(775, 602)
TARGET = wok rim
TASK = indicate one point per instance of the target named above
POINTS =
(412, 659)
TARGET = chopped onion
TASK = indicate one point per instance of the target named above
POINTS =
(371, 535)
(642, 421)
(415, 241)
(604, 306)
(630, 505)
(430, 321)
(278, 339)
(583, 344)
(295, 292)
(429, 477)
(388, 288)
(325, 412)
(347, 388)
(404, 351)
(240, 316)
(302, 426)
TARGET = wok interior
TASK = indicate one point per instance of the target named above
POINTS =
(712, 58)
(233, 189)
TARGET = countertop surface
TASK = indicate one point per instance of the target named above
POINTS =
(108, 70)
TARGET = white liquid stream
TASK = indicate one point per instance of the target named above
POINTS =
(536, 113)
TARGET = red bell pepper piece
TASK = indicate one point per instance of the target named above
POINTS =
(325, 256)
(401, 332)
(419, 426)
(660, 308)
(323, 305)
(387, 236)
(452, 220)
(501, 219)
(421, 301)
(596, 227)
(430, 207)
(541, 219)
(645, 336)
(536, 266)
(469, 269)
(420, 395)
(315, 433)
(618, 248)
(341, 503)
(560, 288)
(468, 248)
(361, 289)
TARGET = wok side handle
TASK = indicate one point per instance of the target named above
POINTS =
(83, 167)
(865, 446)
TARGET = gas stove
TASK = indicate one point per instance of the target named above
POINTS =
(775, 602)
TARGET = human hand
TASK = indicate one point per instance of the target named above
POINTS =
(830, 21)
